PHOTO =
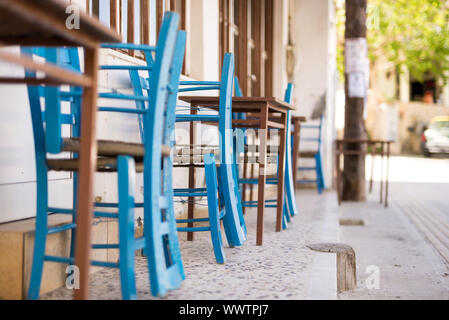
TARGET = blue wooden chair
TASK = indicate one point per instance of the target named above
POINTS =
(216, 212)
(315, 153)
(289, 199)
(229, 209)
(156, 124)
(165, 265)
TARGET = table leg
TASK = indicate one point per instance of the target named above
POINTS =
(252, 175)
(281, 173)
(263, 131)
(381, 172)
(373, 152)
(337, 166)
(253, 169)
(192, 181)
(295, 155)
(87, 160)
(386, 178)
(245, 175)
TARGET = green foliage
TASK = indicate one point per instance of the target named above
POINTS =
(414, 33)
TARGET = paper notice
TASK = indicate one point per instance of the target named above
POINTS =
(356, 53)
(356, 85)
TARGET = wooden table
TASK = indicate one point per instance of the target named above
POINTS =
(296, 130)
(341, 150)
(43, 23)
(263, 113)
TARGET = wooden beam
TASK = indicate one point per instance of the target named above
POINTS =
(145, 14)
(113, 14)
(55, 73)
(159, 14)
(30, 81)
(243, 47)
(269, 23)
(256, 59)
(274, 124)
(96, 8)
(130, 24)
(88, 158)
(43, 17)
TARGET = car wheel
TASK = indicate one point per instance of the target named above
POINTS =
(427, 154)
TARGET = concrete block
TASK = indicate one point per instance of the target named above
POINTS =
(17, 246)
(346, 264)
(16, 256)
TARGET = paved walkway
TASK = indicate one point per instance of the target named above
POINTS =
(391, 247)
(283, 268)
(396, 258)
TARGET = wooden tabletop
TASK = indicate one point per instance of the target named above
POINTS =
(299, 118)
(242, 104)
(43, 22)
(357, 140)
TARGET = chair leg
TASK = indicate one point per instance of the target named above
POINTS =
(75, 197)
(323, 184)
(40, 232)
(285, 216)
(165, 268)
(38, 254)
(319, 173)
(223, 207)
(126, 186)
(235, 175)
(290, 186)
(212, 201)
(233, 220)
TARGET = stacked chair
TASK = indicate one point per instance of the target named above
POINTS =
(155, 88)
(313, 136)
(223, 198)
(230, 205)
(152, 157)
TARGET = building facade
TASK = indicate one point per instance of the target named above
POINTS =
(274, 42)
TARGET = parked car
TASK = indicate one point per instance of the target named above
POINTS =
(435, 138)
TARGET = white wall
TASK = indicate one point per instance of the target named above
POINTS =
(315, 38)
(280, 41)
(313, 34)
(203, 38)
(17, 168)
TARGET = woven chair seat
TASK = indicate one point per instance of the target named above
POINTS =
(107, 155)
(308, 154)
(108, 148)
(103, 165)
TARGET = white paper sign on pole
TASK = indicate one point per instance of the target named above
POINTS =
(356, 52)
(356, 85)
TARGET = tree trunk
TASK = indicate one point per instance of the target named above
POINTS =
(353, 177)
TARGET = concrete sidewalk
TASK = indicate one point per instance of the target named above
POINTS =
(391, 246)
(390, 252)
(283, 268)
